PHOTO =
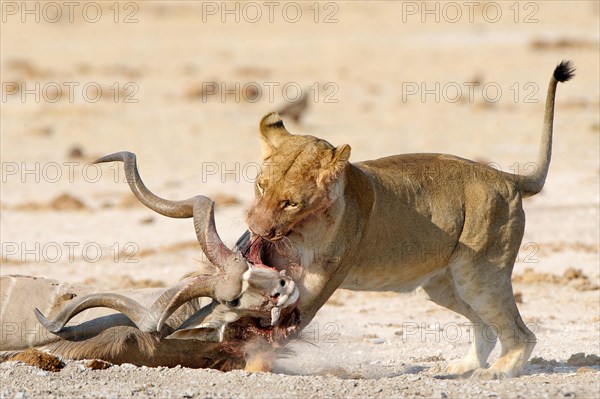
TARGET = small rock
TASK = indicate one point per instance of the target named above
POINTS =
(147, 220)
(572, 274)
(76, 152)
(436, 358)
(543, 362)
(518, 297)
(580, 359)
(66, 202)
(582, 370)
(97, 364)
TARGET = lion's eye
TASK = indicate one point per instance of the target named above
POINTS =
(260, 186)
(287, 204)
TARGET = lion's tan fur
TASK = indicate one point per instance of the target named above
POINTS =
(450, 226)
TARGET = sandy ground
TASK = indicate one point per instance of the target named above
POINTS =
(381, 80)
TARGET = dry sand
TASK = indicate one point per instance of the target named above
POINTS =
(62, 220)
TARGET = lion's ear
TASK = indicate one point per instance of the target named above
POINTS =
(341, 155)
(335, 165)
(272, 133)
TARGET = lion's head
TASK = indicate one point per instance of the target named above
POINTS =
(300, 177)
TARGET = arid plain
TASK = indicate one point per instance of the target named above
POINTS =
(184, 85)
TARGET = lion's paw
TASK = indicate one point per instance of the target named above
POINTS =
(460, 366)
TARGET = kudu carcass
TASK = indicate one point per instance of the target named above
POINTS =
(224, 317)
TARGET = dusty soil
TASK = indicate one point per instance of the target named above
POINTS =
(64, 219)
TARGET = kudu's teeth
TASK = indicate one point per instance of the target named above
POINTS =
(275, 312)
(282, 300)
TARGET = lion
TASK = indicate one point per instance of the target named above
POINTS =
(448, 226)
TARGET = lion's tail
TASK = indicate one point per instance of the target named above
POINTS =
(533, 184)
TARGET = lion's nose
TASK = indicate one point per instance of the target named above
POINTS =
(258, 231)
(261, 227)
(268, 234)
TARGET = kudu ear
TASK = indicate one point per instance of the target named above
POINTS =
(272, 133)
(335, 165)
(208, 324)
(204, 267)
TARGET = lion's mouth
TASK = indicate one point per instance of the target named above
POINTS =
(254, 251)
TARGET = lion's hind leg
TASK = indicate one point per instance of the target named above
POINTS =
(487, 289)
(482, 265)
(440, 289)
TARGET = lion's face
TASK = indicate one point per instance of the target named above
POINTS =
(299, 178)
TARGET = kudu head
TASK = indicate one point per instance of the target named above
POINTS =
(238, 288)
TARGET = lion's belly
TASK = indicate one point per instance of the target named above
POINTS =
(391, 276)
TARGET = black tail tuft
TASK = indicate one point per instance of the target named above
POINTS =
(564, 71)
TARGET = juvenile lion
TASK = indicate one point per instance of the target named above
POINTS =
(448, 225)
